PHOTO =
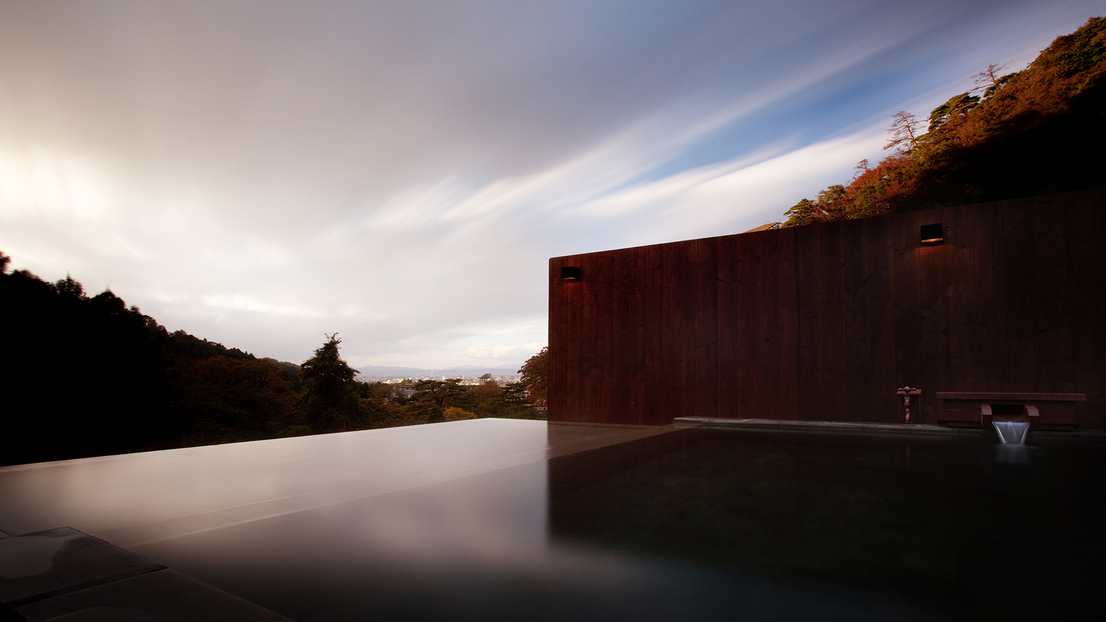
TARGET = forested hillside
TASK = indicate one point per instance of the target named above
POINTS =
(1033, 132)
(85, 376)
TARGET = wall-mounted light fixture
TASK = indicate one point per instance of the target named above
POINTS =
(933, 234)
(570, 273)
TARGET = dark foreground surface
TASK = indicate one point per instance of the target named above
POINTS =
(509, 520)
(955, 527)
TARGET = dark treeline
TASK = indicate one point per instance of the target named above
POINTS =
(1033, 132)
(87, 375)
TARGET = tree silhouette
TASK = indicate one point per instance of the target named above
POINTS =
(330, 401)
(989, 80)
(904, 132)
(70, 287)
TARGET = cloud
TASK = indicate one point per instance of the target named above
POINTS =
(262, 173)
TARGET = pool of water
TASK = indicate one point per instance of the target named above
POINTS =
(495, 520)
(963, 528)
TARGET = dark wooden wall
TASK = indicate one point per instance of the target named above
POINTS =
(825, 322)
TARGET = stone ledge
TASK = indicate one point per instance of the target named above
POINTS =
(859, 427)
(849, 427)
(65, 574)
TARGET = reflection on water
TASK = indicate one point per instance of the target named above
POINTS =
(931, 532)
(1013, 455)
(474, 549)
(480, 523)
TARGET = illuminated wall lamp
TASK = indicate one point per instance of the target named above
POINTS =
(933, 234)
(570, 273)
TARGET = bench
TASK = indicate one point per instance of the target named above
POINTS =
(977, 409)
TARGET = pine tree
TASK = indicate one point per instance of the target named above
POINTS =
(330, 402)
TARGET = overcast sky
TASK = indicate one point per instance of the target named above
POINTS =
(263, 172)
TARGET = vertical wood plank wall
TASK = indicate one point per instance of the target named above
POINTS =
(825, 322)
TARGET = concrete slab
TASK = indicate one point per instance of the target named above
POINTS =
(160, 596)
(111, 492)
(164, 502)
(63, 574)
(51, 562)
(138, 498)
(149, 532)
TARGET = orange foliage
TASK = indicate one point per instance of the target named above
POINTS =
(970, 154)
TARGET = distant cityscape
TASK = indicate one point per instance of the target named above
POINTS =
(469, 374)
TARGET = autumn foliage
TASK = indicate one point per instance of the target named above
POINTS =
(1037, 131)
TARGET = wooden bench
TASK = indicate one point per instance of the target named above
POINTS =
(1043, 411)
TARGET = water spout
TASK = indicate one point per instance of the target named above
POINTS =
(1011, 432)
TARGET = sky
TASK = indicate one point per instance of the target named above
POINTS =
(264, 172)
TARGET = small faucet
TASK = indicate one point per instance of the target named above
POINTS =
(906, 393)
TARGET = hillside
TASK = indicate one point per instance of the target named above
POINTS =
(1033, 132)
(87, 375)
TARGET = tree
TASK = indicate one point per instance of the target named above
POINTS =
(535, 375)
(331, 400)
(989, 81)
(219, 399)
(442, 393)
(1019, 139)
(957, 106)
(802, 213)
(514, 394)
(453, 413)
(70, 287)
(904, 130)
(833, 201)
(487, 391)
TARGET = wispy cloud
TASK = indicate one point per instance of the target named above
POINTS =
(262, 173)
